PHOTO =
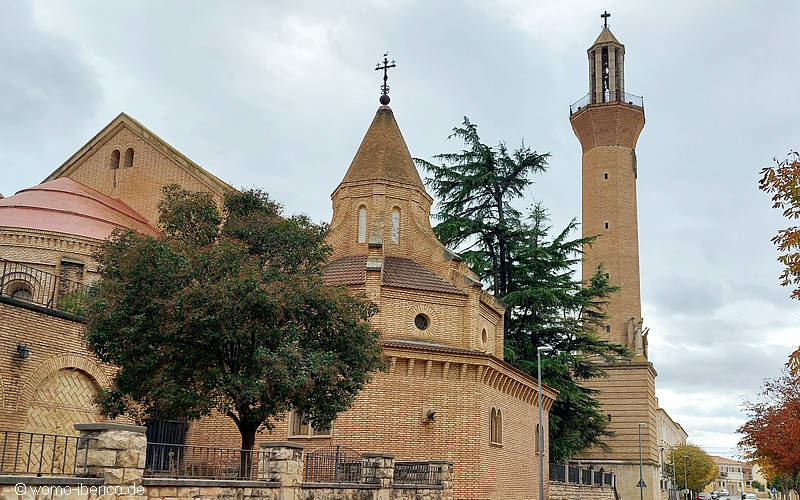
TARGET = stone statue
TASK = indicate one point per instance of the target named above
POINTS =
(637, 338)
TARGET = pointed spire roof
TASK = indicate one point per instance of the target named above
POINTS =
(383, 154)
(606, 37)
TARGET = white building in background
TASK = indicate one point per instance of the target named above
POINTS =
(670, 435)
(729, 477)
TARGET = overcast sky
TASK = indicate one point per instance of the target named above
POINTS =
(279, 94)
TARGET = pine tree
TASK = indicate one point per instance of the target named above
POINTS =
(533, 274)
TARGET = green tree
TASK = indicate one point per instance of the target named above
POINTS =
(550, 306)
(698, 466)
(230, 315)
(532, 272)
(756, 484)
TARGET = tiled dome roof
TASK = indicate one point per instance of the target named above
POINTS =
(66, 206)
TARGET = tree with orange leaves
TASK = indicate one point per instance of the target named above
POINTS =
(772, 432)
(782, 181)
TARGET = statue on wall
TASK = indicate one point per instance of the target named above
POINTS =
(637, 338)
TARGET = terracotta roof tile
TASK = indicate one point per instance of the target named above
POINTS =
(405, 273)
(397, 272)
(350, 270)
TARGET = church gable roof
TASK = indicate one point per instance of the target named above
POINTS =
(123, 120)
(397, 272)
(383, 154)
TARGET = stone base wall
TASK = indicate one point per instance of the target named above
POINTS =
(53, 488)
(114, 456)
(561, 491)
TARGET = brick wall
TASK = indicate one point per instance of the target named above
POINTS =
(54, 387)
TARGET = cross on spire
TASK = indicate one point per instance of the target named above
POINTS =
(605, 15)
(385, 67)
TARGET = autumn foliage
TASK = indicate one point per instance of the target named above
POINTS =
(772, 433)
(782, 181)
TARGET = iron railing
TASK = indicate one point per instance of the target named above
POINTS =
(335, 464)
(418, 473)
(204, 462)
(33, 453)
(573, 474)
(28, 284)
(608, 97)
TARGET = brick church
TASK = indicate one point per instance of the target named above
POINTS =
(447, 393)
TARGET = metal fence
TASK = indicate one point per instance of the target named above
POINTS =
(572, 474)
(204, 462)
(335, 464)
(29, 284)
(418, 473)
(608, 96)
(32, 453)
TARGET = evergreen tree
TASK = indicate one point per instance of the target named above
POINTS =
(532, 273)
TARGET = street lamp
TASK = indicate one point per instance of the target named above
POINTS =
(641, 484)
(539, 351)
(685, 482)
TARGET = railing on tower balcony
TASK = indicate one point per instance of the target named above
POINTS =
(608, 97)
(28, 284)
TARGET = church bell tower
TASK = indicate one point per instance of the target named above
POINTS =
(607, 122)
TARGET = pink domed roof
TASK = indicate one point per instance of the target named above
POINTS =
(66, 206)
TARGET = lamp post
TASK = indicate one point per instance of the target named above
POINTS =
(685, 482)
(674, 474)
(641, 478)
(539, 351)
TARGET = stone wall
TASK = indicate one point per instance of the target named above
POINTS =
(113, 457)
(561, 491)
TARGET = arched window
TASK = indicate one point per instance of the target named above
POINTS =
(362, 224)
(496, 426)
(20, 289)
(114, 163)
(396, 225)
(129, 157)
(22, 293)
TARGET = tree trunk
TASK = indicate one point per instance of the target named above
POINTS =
(248, 432)
(247, 454)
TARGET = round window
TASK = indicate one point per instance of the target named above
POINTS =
(421, 322)
(484, 336)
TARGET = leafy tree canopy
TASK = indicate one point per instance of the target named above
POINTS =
(533, 272)
(227, 311)
(698, 466)
(772, 431)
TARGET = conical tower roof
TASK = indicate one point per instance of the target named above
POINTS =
(606, 37)
(383, 154)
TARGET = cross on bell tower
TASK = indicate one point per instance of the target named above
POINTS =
(605, 15)
(385, 87)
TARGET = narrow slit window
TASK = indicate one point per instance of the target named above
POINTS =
(362, 224)
(606, 225)
(605, 175)
(396, 225)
